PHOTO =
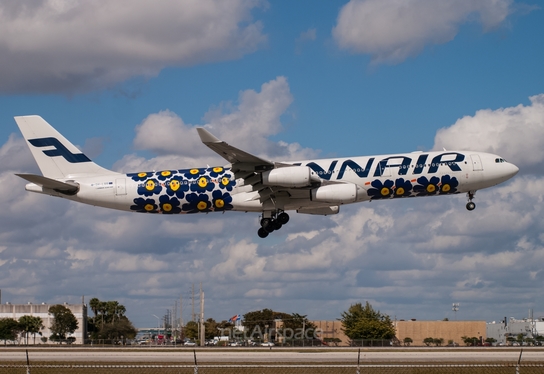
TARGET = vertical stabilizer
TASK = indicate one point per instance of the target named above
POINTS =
(57, 158)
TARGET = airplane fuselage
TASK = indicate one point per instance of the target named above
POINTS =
(203, 190)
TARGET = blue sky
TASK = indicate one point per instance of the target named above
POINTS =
(285, 80)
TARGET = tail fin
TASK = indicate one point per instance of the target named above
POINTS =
(57, 158)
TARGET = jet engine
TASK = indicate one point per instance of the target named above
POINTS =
(291, 176)
(338, 193)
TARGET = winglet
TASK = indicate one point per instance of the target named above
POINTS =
(206, 136)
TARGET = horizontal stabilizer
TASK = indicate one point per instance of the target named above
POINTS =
(63, 187)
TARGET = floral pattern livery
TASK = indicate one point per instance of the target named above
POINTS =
(184, 191)
(404, 188)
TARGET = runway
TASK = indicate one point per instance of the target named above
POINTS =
(274, 355)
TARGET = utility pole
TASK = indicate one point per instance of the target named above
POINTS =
(193, 316)
(182, 335)
(202, 328)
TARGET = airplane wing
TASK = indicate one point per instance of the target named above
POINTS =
(251, 168)
(240, 160)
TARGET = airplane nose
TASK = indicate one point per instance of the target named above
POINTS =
(513, 170)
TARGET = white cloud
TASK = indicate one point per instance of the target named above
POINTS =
(392, 30)
(66, 46)
(246, 126)
(514, 133)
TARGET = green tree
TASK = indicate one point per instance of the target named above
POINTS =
(490, 340)
(191, 330)
(109, 321)
(299, 325)
(366, 323)
(64, 322)
(470, 341)
(428, 341)
(30, 325)
(407, 341)
(122, 329)
(9, 328)
(438, 341)
(255, 322)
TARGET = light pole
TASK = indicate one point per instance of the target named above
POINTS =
(455, 308)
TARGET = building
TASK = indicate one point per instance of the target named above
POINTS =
(16, 311)
(331, 330)
(512, 327)
(447, 330)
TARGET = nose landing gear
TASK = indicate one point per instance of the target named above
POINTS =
(470, 205)
(274, 222)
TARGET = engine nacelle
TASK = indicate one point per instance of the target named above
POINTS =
(291, 176)
(338, 193)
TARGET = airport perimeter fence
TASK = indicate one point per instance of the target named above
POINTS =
(275, 369)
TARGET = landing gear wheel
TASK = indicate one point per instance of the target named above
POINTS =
(471, 205)
(277, 225)
(265, 222)
(262, 233)
(283, 218)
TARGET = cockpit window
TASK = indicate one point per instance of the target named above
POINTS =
(500, 160)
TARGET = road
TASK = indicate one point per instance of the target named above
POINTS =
(274, 355)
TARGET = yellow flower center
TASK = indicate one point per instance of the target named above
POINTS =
(174, 185)
(167, 207)
(150, 185)
(141, 175)
(193, 171)
(202, 205)
(384, 191)
(149, 207)
(219, 203)
(165, 173)
(225, 181)
(446, 188)
(431, 188)
(217, 169)
(399, 191)
(203, 182)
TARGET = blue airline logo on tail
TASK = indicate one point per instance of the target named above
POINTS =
(60, 150)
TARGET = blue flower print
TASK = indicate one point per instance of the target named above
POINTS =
(139, 176)
(192, 173)
(427, 187)
(144, 205)
(226, 183)
(403, 188)
(165, 174)
(381, 190)
(177, 187)
(202, 185)
(149, 188)
(197, 203)
(169, 205)
(448, 185)
(221, 201)
(216, 171)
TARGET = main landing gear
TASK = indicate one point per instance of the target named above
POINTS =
(470, 204)
(274, 222)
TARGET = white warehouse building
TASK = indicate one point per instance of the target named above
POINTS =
(79, 311)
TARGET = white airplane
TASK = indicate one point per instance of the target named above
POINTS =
(253, 184)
